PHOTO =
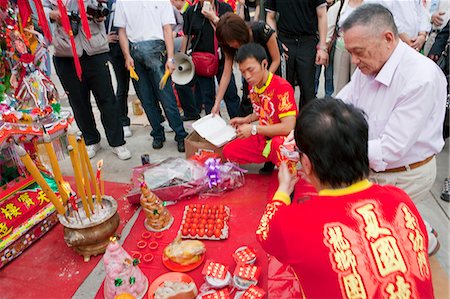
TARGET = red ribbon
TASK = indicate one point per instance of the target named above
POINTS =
(66, 25)
(84, 20)
(24, 11)
(42, 20)
(3, 4)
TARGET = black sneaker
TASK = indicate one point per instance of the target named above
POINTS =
(445, 195)
(267, 168)
(188, 118)
(180, 146)
(158, 143)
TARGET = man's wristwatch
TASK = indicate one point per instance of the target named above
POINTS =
(254, 130)
(172, 60)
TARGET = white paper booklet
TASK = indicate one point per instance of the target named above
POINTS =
(214, 129)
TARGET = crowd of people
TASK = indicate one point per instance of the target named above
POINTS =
(369, 150)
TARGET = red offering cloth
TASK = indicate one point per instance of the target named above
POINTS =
(365, 240)
(246, 205)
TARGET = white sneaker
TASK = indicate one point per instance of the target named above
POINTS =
(122, 152)
(92, 149)
(433, 242)
(127, 131)
(166, 126)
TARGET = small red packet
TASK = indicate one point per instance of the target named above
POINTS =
(221, 294)
(253, 292)
(248, 272)
(244, 256)
(215, 270)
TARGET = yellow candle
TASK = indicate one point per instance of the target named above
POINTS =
(83, 150)
(87, 184)
(36, 174)
(71, 136)
(55, 167)
(76, 170)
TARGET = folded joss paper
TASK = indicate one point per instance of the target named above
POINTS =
(221, 294)
(244, 256)
(215, 270)
(253, 292)
(248, 272)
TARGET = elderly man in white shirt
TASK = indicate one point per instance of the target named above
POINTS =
(403, 94)
(411, 18)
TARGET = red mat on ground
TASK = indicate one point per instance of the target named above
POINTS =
(247, 205)
(49, 268)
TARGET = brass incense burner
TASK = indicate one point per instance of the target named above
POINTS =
(89, 237)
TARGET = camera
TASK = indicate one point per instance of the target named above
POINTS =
(97, 11)
(74, 19)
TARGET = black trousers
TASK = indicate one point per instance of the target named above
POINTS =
(300, 65)
(95, 78)
(123, 81)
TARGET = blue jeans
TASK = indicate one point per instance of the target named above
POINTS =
(205, 92)
(329, 86)
(149, 61)
(203, 95)
(231, 98)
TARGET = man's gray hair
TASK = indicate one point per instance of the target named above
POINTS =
(375, 16)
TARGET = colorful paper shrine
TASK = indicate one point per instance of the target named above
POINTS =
(29, 110)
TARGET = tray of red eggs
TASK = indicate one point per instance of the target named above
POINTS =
(205, 222)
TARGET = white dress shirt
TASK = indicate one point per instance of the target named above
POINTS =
(410, 16)
(405, 105)
(144, 19)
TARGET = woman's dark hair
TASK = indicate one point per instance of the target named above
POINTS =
(231, 27)
(334, 136)
(251, 50)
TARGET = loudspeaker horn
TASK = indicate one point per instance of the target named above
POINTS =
(184, 69)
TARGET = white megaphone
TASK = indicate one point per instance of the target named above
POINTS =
(184, 69)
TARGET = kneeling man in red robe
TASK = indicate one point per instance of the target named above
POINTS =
(354, 239)
(274, 108)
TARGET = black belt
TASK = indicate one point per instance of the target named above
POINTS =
(294, 36)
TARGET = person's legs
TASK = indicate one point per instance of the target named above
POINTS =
(246, 151)
(329, 83)
(148, 102)
(156, 68)
(123, 82)
(292, 45)
(171, 111)
(317, 78)
(231, 97)
(416, 183)
(429, 43)
(341, 68)
(205, 90)
(96, 71)
(305, 68)
(245, 108)
(187, 101)
(79, 99)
